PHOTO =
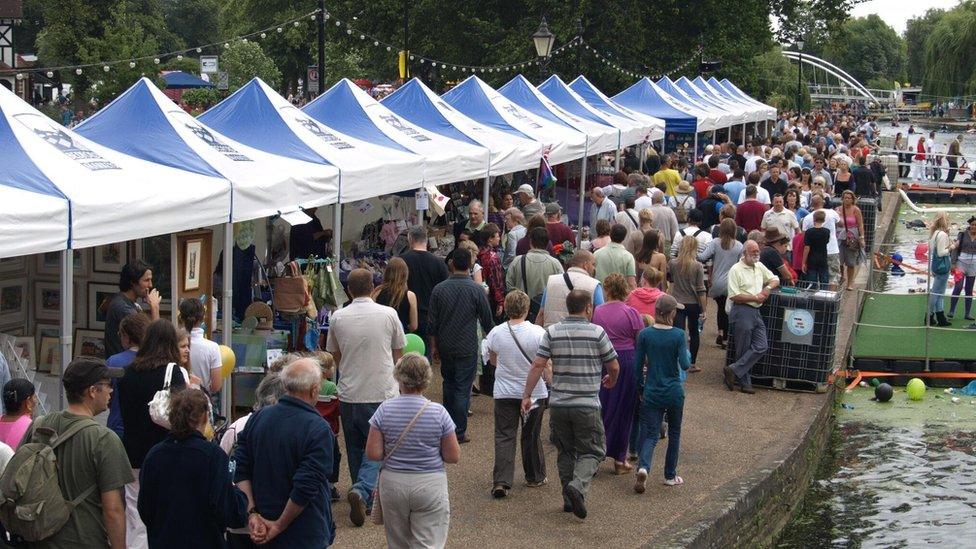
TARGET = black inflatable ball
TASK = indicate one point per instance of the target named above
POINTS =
(883, 392)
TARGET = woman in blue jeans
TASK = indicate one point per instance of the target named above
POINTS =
(662, 358)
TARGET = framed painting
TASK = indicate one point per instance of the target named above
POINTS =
(110, 258)
(99, 296)
(50, 263)
(89, 343)
(47, 300)
(13, 264)
(49, 355)
(13, 301)
(191, 278)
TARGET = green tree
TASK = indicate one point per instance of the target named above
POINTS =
(917, 31)
(244, 60)
(774, 80)
(123, 38)
(201, 98)
(868, 48)
(195, 22)
(950, 63)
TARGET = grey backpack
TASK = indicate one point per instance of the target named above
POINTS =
(31, 503)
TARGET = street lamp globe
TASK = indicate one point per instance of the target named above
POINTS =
(799, 44)
(543, 39)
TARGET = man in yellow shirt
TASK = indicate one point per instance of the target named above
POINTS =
(668, 175)
(749, 285)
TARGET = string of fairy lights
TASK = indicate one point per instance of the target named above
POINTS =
(352, 33)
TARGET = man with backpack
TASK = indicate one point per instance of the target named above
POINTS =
(531, 271)
(693, 230)
(70, 469)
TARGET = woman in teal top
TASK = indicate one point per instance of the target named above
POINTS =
(663, 349)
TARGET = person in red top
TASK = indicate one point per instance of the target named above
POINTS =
(488, 239)
(558, 231)
(749, 213)
(717, 176)
(702, 183)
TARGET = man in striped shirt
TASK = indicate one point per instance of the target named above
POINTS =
(580, 351)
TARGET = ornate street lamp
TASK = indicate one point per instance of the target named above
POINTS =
(543, 40)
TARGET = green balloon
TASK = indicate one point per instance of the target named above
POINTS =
(915, 389)
(415, 345)
(875, 382)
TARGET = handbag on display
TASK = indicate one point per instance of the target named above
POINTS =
(291, 293)
(159, 405)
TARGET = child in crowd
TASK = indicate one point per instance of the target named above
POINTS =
(328, 407)
(815, 251)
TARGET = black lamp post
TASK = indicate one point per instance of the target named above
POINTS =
(543, 40)
(799, 78)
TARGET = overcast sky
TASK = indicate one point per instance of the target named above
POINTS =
(897, 12)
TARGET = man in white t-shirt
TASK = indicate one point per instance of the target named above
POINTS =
(831, 220)
(511, 346)
(644, 200)
(366, 339)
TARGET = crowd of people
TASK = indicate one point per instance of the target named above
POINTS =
(602, 338)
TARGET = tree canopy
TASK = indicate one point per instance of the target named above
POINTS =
(950, 63)
(869, 49)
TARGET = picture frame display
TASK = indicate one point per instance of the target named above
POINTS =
(99, 296)
(13, 264)
(89, 343)
(49, 355)
(191, 278)
(25, 350)
(13, 301)
(110, 258)
(49, 263)
(47, 300)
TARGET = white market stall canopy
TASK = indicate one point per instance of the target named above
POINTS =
(600, 136)
(741, 114)
(419, 104)
(713, 118)
(257, 116)
(144, 123)
(111, 197)
(733, 91)
(483, 103)
(352, 111)
(751, 113)
(598, 100)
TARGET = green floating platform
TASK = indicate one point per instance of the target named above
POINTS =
(907, 340)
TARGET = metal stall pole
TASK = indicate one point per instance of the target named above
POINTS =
(694, 152)
(67, 310)
(486, 194)
(337, 230)
(227, 319)
(743, 138)
(582, 199)
(616, 160)
(174, 294)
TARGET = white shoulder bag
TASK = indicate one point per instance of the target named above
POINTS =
(159, 405)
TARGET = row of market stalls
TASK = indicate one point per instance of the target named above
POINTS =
(142, 167)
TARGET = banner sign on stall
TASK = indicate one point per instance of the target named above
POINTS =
(423, 199)
(797, 326)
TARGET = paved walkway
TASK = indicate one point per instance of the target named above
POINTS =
(726, 437)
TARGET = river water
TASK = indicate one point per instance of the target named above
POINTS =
(898, 474)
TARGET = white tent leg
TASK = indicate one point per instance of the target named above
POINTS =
(694, 152)
(487, 196)
(227, 320)
(743, 137)
(67, 322)
(337, 232)
(582, 199)
(616, 160)
(174, 293)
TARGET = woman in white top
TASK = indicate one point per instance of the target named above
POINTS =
(511, 346)
(939, 249)
(204, 354)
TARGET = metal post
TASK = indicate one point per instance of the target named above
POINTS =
(337, 231)
(694, 152)
(616, 160)
(174, 293)
(406, 38)
(67, 310)
(743, 138)
(486, 195)
(227, 319)
(320, 21)
(579, 36)
(582, 199)
(799, 81)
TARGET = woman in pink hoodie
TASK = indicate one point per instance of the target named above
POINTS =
(645, 295)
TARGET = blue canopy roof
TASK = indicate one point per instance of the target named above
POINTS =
(412, 102)
(593, 96)
(183, 80)
(19, 170)
(134, 125)
(517, 90)
(470, 99)
(643, 97)
(264, 130)
(338, 109)
(557, 91)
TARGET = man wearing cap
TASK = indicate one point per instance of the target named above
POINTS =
(92, 464)
(749, 285)
(601, 208)
(772, 255)
(558, 231)
(530, 205)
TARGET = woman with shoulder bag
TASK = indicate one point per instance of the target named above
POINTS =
(939, 266)
(850, 236)
(154, 369)
(413, 438)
